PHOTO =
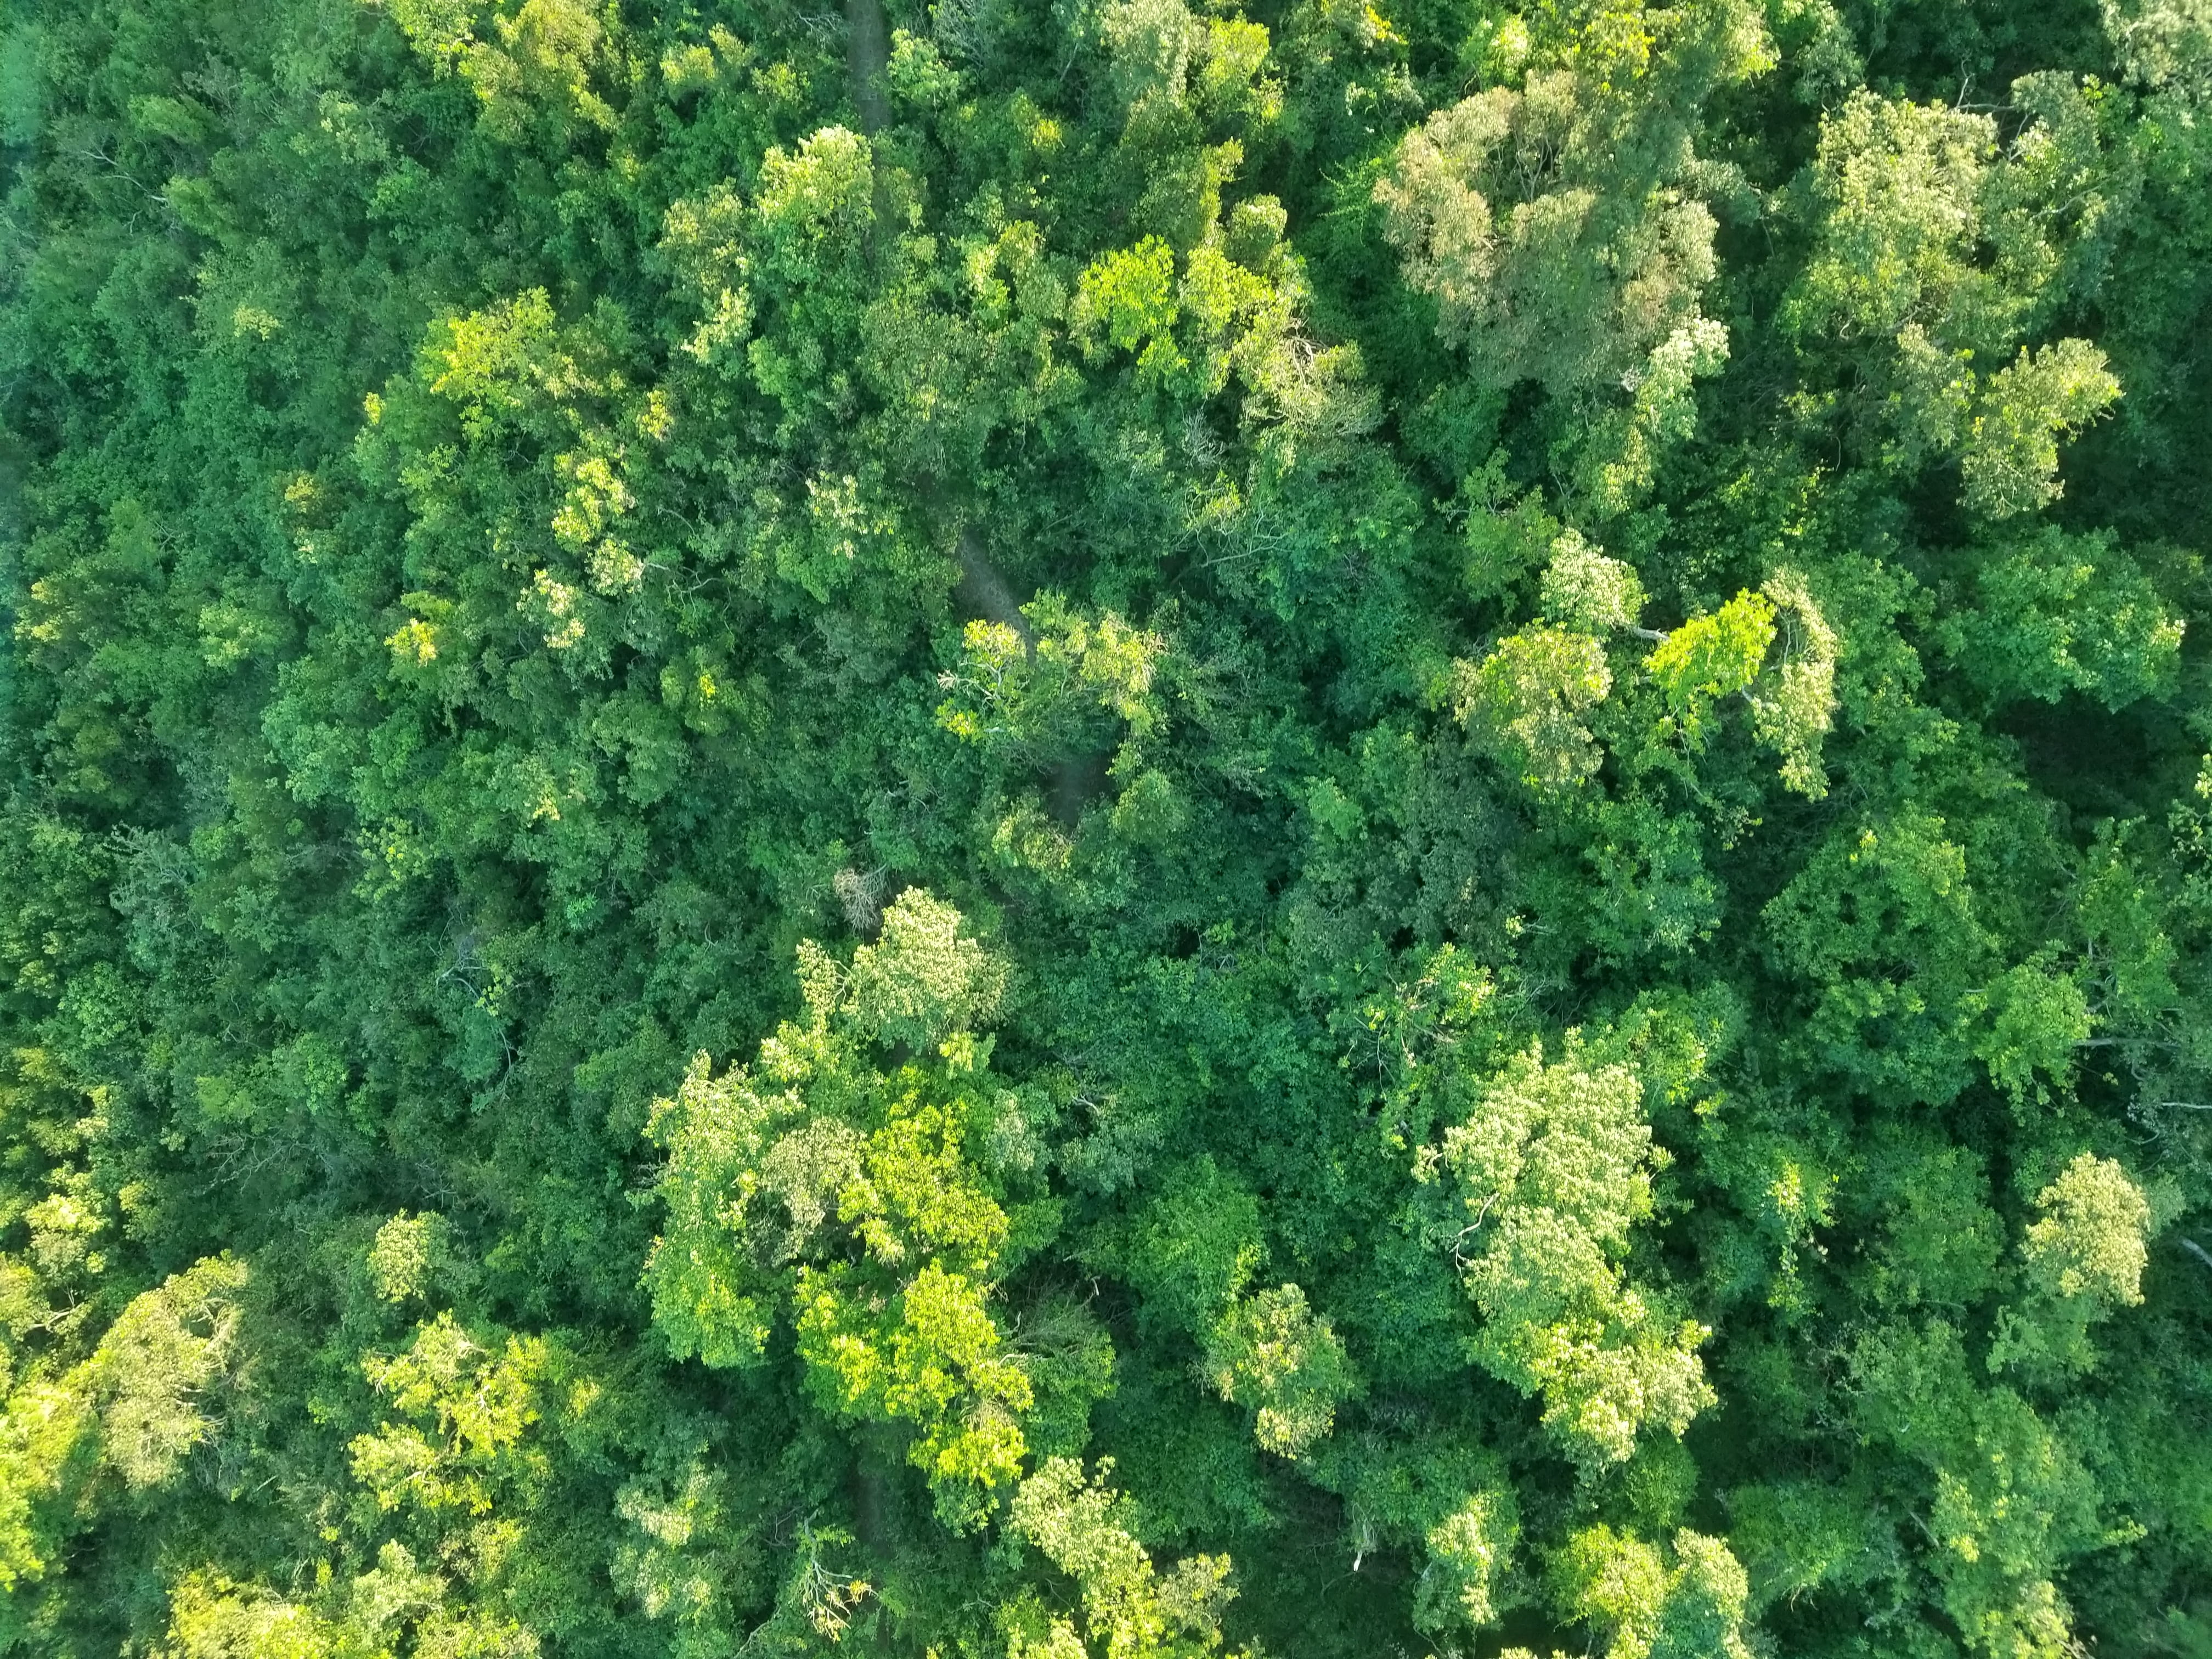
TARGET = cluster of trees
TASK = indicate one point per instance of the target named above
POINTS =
(1119, 829)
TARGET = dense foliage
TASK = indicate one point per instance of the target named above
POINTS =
(1114, 828)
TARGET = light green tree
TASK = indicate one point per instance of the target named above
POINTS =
(1271, 1353)
(1552, 1171)
(860, 1208)
(2083, 1260)
(1130, 1609)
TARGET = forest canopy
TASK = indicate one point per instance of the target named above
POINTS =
(1105, 828)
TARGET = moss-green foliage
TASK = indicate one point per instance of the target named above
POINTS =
(1121, 829)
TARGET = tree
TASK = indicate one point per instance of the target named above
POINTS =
(816, 1194)
(1551, 1173)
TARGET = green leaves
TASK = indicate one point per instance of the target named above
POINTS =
(1549, 223)
(462, 1406)
(1469, 1553)
(1531, 1091)
(2162, 44)
(1900, 184)
(2012, 448)
(2058, 613)
(1552, 1171)
(1910, 197)
(2084, 1259)
(1525, 698)
(1192, 1249)
(1039, 689)
(2011, 1501)
(921, 981)
(1713, 656)
(1584, 590)
(815, 1194)
(1131, 1610)
(156, 1372)
(45, 1437)
(2089, 1242)
(816, 207)
(441, 30)
(1129, 296)
(1650, 1606)
(1228, 316)
(1793, 700)
(1270, 1352)
(932, 1360)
